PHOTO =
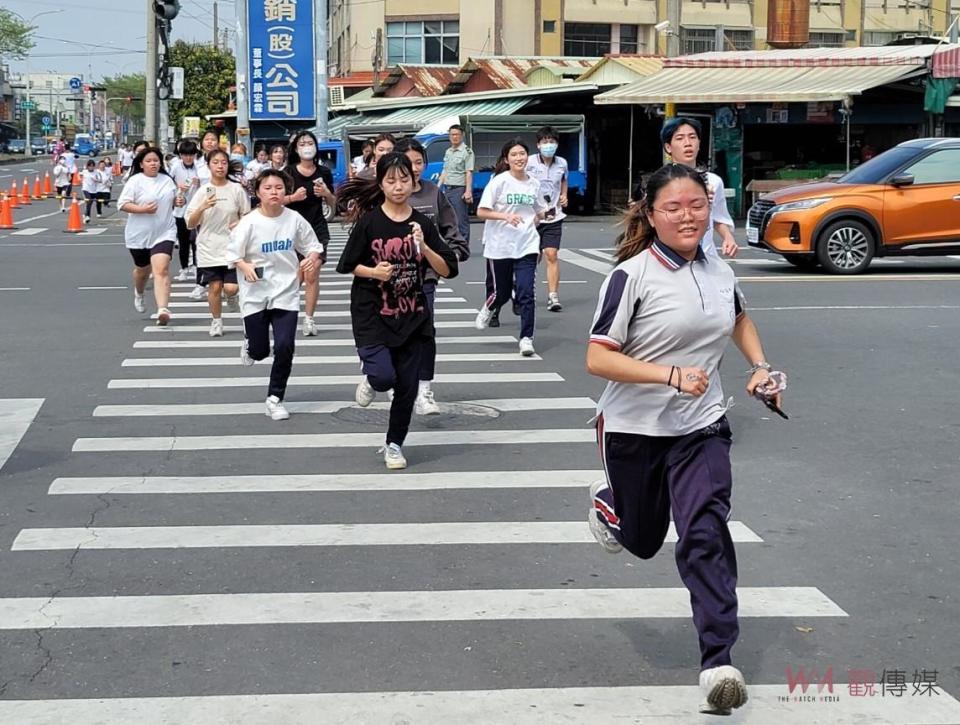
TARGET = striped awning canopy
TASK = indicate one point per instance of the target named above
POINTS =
(757, 84)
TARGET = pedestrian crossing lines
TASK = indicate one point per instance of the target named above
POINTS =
(231, 513)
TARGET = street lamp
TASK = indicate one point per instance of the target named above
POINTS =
(28, 149)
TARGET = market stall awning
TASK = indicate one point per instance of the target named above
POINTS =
(758, 84)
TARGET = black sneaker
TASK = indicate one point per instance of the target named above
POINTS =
(494, 320)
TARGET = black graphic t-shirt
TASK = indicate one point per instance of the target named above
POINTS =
(389, 313)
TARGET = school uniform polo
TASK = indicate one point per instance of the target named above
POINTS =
(660, 308)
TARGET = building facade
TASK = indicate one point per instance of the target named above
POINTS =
(52, 94)
(365, 35)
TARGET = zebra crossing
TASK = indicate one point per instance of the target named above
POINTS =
(466, 587)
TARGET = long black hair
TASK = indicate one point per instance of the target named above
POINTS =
(234, 168)
(137, 167)
(361, 195)
(293, 156)
(638, 233)
(502, 163)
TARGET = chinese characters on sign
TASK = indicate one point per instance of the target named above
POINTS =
(806, 684)
(281, 60)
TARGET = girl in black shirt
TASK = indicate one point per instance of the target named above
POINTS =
(388, 252)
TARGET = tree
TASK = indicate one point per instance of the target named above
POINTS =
(208, 75)
(15, 40)
(132, 85)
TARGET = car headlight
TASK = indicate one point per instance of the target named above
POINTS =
(802, 204)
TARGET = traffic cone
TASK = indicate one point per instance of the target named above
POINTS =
(74, 221)
(47, 185)
(6, 215)
(37, 191)
(14, 201)
(117, 169)
(25, 194)
(75, 180)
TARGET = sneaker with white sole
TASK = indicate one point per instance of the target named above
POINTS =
(494, 320)
(724, 690)
(163, 317)
(425, 404)
(199, 292)
(216, 328)
(526, 347)
(233, 303)
(138, 304)
(553, 302)
(483, 318)
(245, 358)
(182, 275)
(600, 531)
(393, 457)
(365, 393)
(275, 409)
(309, 327)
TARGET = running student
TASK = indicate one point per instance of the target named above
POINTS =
(216, 208)
(263, 247)
(186, 175)
(665, 315)
(149, 197)
(105, 183)
(551, 171)
(382, 145)
(209, 141)
(388, 252)
(432, 203)
(511, 206)
(90, 179)
(312, 186)
(62, 181)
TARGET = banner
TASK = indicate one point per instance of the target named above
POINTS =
(190, 127)
(281, 59)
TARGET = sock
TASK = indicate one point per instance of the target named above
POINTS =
(424, 386)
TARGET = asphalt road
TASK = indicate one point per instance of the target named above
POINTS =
(176, 554)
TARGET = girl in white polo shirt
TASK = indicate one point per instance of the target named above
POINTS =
(664, 319)
(511, 206)
(263, 247)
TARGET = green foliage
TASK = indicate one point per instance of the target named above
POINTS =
(208, 75)
(15, 36)
(132, 85)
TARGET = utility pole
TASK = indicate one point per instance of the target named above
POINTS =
(321, 93)
(243, 69)
(150, 91)
(377, 60)
(216, 28)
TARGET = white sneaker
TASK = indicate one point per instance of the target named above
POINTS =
(275, 409)
(553, 302)
(163, 317)
(309, 327)
(138, 303)
(393, 457)
(233, 303)
(182, 275)
(483, 318)
(723, 689)
(86, 220)
(199, 292)
(526, 347)
(245, 358)
(216, 328)
(365, 393)
(600, 532)
(425, 404)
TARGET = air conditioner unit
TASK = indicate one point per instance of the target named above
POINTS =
(336, 96)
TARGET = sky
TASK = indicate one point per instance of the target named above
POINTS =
(106, 37)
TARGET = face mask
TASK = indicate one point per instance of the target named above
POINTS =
(307, 153)
(238, 157)
(548, 150)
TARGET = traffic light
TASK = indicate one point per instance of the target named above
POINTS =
(166, 9)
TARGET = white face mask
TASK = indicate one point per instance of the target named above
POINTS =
(307, 153)
(549, 150)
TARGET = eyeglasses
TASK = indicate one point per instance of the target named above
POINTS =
(698, 211)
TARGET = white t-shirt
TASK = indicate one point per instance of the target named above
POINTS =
(91, 181)
(214, 235)
(61, 175)
(70, 160)
(718, 213)
(508, 195)
(185, 176)
(551, 179)
(271, 243)
(203, 171)
(145, 230)
(105, 180)
(126, 157)
(254, 168)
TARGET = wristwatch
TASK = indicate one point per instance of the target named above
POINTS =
(760, 365)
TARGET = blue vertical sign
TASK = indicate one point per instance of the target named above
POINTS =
(281, 60)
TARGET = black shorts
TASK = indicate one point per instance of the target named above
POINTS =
(323, 254)
(550, 235)
(206, 275)
(141, 257)
(64, 190)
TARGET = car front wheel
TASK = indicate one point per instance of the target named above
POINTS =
(846, 247)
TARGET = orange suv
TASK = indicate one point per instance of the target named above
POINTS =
(906, 201)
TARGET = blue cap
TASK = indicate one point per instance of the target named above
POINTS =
(671, 125)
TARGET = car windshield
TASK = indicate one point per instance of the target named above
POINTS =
(880, 167)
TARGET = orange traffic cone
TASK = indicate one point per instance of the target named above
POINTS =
(117, 169)
(6, 215)
(47, 185)
(74, 222)
(14, 201)
(25, 194)
(37, 191)
(75, 180)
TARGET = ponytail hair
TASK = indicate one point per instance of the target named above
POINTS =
(638, 232)
(502, 163)
(361, 195)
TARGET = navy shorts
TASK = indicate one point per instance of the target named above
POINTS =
(141, 257)
(224, 274)
(550, 235)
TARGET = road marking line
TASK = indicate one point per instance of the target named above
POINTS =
(16, 416)
(189, 362)
(333, 440)
(28, 232)
(565, 281)
(319, 313)
(310, 342)
(153, 329)
(856, 307)
(306, 380)
(855, 278)
(14, 289)
(507, 405)
(476, 605)
(99, 288)
(323, 301)
(579, 260)
(92, 232)
(35, 218)
(327, 293)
